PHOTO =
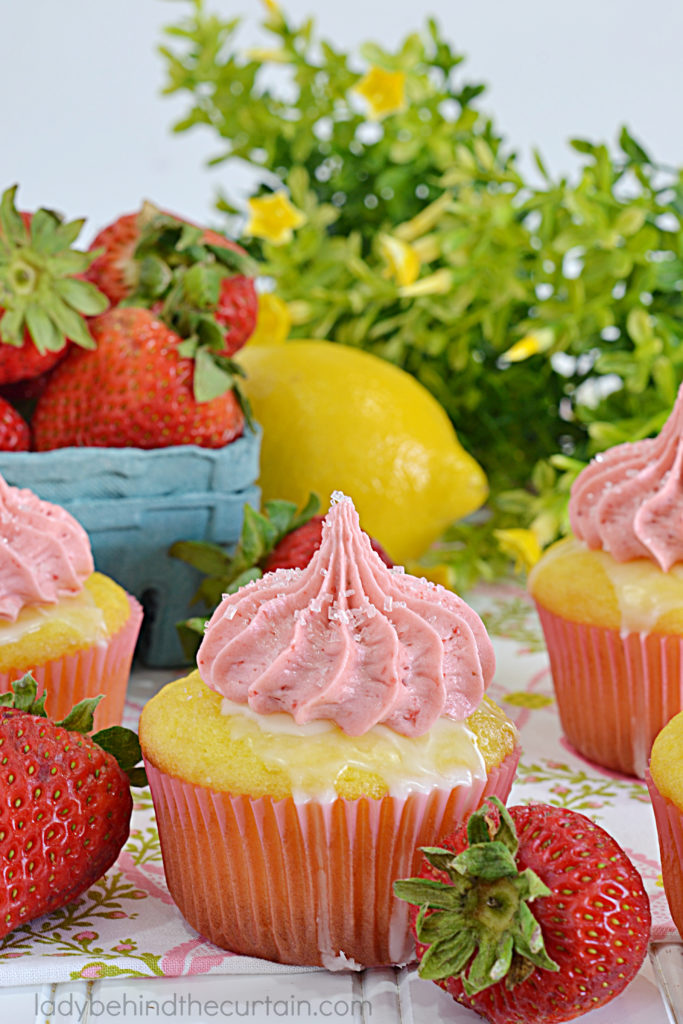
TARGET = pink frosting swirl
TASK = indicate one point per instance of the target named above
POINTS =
(348, 640)
(628, 500)
(44, 552)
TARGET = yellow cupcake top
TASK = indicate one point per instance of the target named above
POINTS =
(582, 585)
(190, 731)
(666, 761)
(42, 632)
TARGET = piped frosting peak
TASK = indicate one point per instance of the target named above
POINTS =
(44, 552)
(348, 640)
(628, 501)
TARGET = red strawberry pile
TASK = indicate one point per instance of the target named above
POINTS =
(128, 344)
(529, 914)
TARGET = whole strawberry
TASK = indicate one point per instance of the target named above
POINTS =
(137, 242)
(43, 299)
(580, 944)
(14, 432)
(65, 804)
(135, 389)
(296, 549)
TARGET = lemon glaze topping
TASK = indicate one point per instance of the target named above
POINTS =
(445, 757)
(643, 593)
(79, 613)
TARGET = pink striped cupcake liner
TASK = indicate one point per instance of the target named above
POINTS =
(103, 668)
(307, 882)
(614, 690)
(669, 819)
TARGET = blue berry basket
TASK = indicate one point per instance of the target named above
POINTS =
(135, 504)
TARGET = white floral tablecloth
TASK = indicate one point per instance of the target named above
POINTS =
(126, 925)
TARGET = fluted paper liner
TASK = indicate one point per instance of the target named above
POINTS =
(102, 668)
(669, 819)
(614, 690)
(309, 882)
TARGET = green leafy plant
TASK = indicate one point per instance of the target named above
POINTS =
(546, 316)
(226, 571)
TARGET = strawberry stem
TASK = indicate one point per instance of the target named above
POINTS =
(179, 275)
(477, 926)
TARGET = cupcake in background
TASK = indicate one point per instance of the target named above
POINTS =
(74, 629)
(610, 600)
(336, 724)
(665, 783)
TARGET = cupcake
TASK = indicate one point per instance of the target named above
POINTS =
(72, 628)
(665, 783)
(610, 600)
(337, 722)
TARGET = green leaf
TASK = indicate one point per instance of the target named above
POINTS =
(12, 225)
(81, 716)
(632, 148)
(201, 554)
(258, 536)
(22, 696)
(12, 327)
(310, 509)
(82, 296)
(254, 573)
(210, 381)
(486, 860)
(121, 743)
(190, 633)
(69, 322)
(427, 892)
(282, 515)
(43, 231)
(137, 777)
(447, 957)
(202, 285)
(44, 334)
(155, 277)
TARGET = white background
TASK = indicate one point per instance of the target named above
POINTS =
(84, 129)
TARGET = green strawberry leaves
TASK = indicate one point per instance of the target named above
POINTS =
(23, 697)
(40, 291)
(180, 276)
(478, 925)
(225, 573)
(121, 743)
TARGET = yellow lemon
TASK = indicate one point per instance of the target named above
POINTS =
(337, 418)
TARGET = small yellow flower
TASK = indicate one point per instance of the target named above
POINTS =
(273, 322)
(383, 90)
(274, 218)
(521, 544)
(438, 283)
(402, 260)
(528, 346)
